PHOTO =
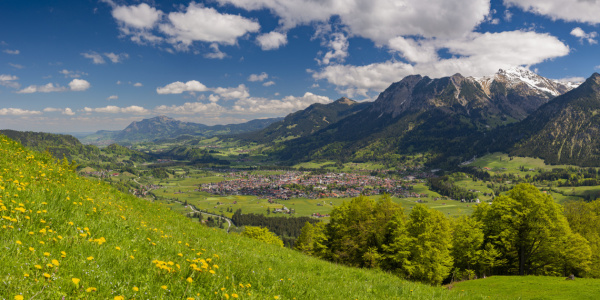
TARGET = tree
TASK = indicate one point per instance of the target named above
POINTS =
(262, 234)
(527, 227)
(312, 240)
(467, 242)
(584, 219)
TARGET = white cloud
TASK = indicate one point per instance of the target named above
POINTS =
(138, 84)
(214, 98)
(339, 49)
(179, 87)
(284, 106)
(112, 97)
(72, 74)
(16, 66)
(96, 58)
(134, 109)
(75, 85)
(14, 52)
(476, 54)
(379, 20)
(258, 77)
(272, 40)
(585, 11)
(216, 54)
(199, 23)
(269, 83)
(9, 81)
(189, 108)
(66, 111)
(508, 15)
(141, 16)
(116, 58)
(572, 79)
(238, 92)
(414, 51)
(18, 112)
(50, 87)
(79, 85)
(589, 37)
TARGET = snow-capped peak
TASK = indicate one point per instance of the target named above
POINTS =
(518, 75)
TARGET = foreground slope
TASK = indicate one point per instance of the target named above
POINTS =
(63, 235)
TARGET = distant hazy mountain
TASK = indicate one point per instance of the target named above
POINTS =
(307, 121)
(446, 116)
(566, 130)
(163, 127)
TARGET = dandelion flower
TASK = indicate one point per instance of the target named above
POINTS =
(75, 280)
(190, 280)
(38, 267)
(46, 253)
(118, 248)
(55, 262)
(90, 258)
(90, 289)
(19, 297)
(47, 275)
(136, 289)
(19, 243)
(164, 287)
(234, 295)
(119, 298)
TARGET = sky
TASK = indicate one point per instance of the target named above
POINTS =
(88, 65)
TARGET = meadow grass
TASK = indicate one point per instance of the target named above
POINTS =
(67, 236)
(500, 163)
(529, 287)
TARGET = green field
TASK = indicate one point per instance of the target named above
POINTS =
(500, 163)
(529, 287)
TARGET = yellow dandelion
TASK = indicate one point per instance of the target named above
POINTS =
(75, 280)
(31, 249)
(19, 297)
(131, 256)
(211, 272)
(38, 267)
(189, 279)
(275, 297)
(118, 248)
(136, 289)
(119, 298)
(55, 262)
(164, 287)
(234, 295)
(90, 258)
(46, 253)
(226, 296)
(90, 289)
(18, 242)
(47, 275)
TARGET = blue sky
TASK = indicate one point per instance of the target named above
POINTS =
(82, 66)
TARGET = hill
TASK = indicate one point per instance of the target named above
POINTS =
(563, 131)
(163, 127)
(305, 122)
(59, 145)
(66, 236)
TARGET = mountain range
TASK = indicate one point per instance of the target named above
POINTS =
(162, 127)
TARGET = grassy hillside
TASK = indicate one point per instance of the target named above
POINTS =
(63, 235)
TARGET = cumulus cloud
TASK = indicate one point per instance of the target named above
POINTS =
(238, 92)
(65, 111)
(72, 74)
(138, 84)
(18, 112)
(583, 36)
(269, 83)
(141, 16)
(189, 108)
(272, 40)
(179, 87)
(112, 97)
(216, 53)
(476, 54)
(116, 58)
(13, 52)
(79, 85)
(199, 23)
(9, 81)
(339, 49)
(258, 77)
(379, 20)
(284, 106)
(111, 109)
(572, 79)
(585, 11)
(75, 85)
(98, 59)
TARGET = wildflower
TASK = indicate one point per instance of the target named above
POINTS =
(189, 279)
(19, 297)
(90, 289)
(119, 298)
(90, 258)
(18, 242)
(46, 253)
(131, 256)
(226, 296)
(211, 272)
(75, 280)
(46, 275)
(234, 295)
(275, 297)
(38, 267)
(164, 287)
(118, 248)
(136, 289)
(31, 249)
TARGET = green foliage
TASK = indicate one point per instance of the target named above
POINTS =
(467, 241)
(584, 220)
(262, 234)
(312, 240)
(530, 231)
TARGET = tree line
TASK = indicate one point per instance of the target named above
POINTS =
(521, 233)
